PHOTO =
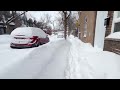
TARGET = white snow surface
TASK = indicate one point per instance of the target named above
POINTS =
(115, 35)
(12, 23)
(35, 63)
(86, 62)
(5, 39)
(29, 32)
(58, 59)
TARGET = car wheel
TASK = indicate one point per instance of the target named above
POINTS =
(40, 44)
(37, 44)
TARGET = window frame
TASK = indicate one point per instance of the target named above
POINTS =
(116, 19)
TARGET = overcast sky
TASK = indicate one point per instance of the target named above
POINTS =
(38, 14)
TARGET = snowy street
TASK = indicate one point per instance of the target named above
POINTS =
(46, 61)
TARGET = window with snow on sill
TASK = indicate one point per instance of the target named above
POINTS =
(115, 35)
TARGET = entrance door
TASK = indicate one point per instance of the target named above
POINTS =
(100, 29)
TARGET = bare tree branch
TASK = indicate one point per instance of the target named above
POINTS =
(69, 15)
(12, 18)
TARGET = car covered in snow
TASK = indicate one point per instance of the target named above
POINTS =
(60, 35)
(48, 31)
(24, 37)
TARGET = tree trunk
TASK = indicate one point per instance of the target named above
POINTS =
(65, 24)
(69, 26)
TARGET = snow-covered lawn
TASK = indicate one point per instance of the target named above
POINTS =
(58, 59)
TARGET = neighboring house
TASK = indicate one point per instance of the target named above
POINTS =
(7, 29)
(2, 28)
(92, 29)
(96, 25)
(113, 44)
(10, 27)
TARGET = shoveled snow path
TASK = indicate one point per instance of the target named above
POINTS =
(55, 69)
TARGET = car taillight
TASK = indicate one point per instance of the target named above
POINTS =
(19, 35)
(33, 38)
(19, 38)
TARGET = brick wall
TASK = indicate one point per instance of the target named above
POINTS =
(112, 45)
(108, 28)
(91, 20)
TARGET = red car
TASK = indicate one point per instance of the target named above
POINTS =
(24, 37)
(48, 31)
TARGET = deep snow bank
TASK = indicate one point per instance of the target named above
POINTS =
(86, 62)
(5, 39)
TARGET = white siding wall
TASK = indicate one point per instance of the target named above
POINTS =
(100, 29)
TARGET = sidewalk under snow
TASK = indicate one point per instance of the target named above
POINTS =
(86, 62)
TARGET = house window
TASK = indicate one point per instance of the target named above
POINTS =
(85, 27)
(116, 22)
(117, 27)
(118, 14)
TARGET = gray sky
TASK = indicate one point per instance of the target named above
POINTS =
(38, 14)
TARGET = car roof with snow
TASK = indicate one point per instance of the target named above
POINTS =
(60, 33)
(29, 31)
